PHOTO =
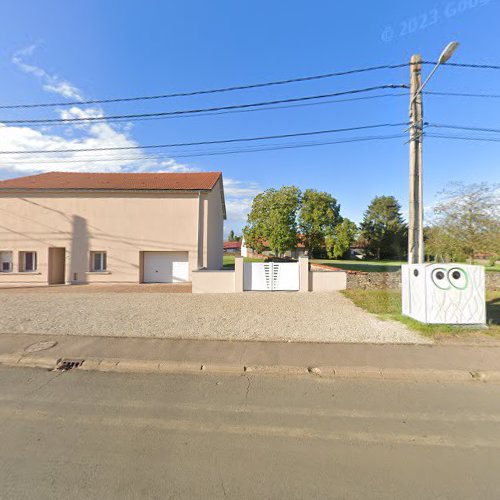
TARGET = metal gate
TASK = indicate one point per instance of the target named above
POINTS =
(271, 276)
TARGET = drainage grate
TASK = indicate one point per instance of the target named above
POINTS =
(65, 365)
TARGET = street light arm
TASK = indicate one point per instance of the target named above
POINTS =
(445, 56)
(419, 90)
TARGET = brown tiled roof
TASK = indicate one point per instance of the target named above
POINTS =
(115, 181)
(232, 245)
(300, 243)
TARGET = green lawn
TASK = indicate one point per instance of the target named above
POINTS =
(387, 305)
(371, 266)
(228, 262)
(375, 266)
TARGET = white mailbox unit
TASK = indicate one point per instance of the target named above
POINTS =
(444, 293)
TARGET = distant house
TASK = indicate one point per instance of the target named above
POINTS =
(232, 247)
(295, 253)
(65, 227)
(357, 252)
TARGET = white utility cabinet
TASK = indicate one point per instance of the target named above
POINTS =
(444, 293)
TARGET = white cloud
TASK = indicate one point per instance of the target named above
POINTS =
(239, 196)
(78, 135)
(240, 189)
(50, 82)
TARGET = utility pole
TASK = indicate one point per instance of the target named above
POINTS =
(415, 223)
(416, 254)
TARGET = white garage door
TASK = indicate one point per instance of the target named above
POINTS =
(166, 267)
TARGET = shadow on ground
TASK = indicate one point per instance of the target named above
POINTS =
(493, 310)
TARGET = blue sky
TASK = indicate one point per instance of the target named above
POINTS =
(57, 50)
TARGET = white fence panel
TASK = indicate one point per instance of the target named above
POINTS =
(286, 276)
(271, 276)
(257, 276)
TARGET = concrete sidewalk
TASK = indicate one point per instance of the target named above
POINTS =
(430, 362)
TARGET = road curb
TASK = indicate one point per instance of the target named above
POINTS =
(336, 372)
(276, 369)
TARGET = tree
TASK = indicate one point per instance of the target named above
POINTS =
(231, 236)
(273, 219)
(466, 221)
(383, 228)
(318, 216)
(339, 242)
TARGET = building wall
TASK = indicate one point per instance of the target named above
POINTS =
(215, 229)
(121, 224)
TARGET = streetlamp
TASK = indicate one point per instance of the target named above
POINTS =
(416, 209)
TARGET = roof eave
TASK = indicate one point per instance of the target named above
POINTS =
(100, 190)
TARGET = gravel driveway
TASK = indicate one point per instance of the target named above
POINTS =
(318, 317)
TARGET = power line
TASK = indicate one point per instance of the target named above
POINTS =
(258, 148)
(94, 119)
(465, 65)
(300, 105)
(464, 138)
(251, 110)
(239, 87)
(461, 94)
(227, 151)
(463, 127)
(203, 143)
(208, 91)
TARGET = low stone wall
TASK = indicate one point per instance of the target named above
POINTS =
(493, 281)
(374, 281)
(392, 281)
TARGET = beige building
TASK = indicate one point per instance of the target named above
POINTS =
(64, 227)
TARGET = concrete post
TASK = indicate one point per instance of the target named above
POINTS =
(304, 273)
(415, 213)
(238, 274)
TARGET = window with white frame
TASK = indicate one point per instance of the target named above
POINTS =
(98, 261)
(5, 261)
(27, 261)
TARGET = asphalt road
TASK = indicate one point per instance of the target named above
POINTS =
(85, 435)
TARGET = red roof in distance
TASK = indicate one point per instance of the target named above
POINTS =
(229, 245)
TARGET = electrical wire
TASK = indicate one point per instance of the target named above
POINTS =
(250, 110)
(221, 141)
(239, 87)
(463, 127)
(207, 91)
(464, 138)
(464, 65)
(300, 105)
(131, 117)
(461, 94)
(258, 148)
(225, 151)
